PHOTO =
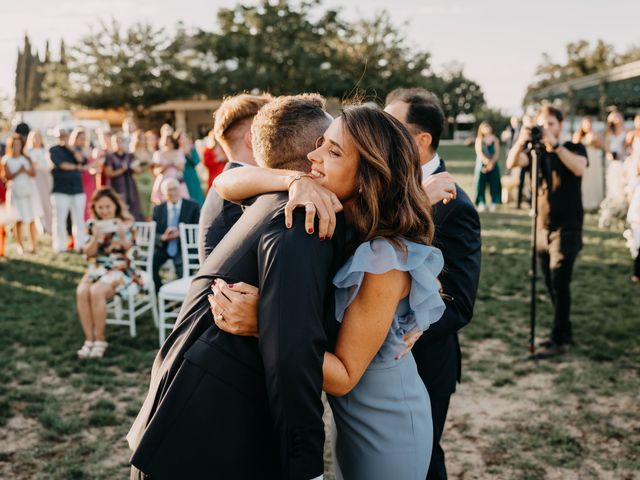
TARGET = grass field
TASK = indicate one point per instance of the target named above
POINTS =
(573, 418)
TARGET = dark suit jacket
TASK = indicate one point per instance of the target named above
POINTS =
(216, 219)
(282, 370)
(189, 213)
(457, 235)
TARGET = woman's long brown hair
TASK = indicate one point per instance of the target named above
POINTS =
(391, 202)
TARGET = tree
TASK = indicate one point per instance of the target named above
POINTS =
(135, 68)
(57, 93)
(581, 59)
(459, 94)
(283, 48)
(28, 78)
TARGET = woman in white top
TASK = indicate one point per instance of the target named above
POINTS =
(38, 152)
(22, 196)
(593, 177)
(168, 162)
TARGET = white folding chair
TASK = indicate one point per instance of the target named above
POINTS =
(172, 294)
(123, 310)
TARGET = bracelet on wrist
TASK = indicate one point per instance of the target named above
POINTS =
(296, 178)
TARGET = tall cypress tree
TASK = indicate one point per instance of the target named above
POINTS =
(29, 78)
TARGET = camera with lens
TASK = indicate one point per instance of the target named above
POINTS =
(536, 137)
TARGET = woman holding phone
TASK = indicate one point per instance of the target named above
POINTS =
(110, 249)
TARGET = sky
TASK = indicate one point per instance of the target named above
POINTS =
(500, 43)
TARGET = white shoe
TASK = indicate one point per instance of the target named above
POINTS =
(481, 208)
(98, 349)
(85, 350)
(492, 207)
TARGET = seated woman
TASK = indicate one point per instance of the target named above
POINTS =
(111, 268)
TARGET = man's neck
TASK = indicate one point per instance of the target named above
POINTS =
(428, 157)
(244, 157)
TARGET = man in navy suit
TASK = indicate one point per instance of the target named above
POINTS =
(457, 235)
(232, 129)
(168, 215)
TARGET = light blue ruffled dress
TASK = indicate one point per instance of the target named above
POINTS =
(382, 428)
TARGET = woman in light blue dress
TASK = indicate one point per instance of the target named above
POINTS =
(386, 289)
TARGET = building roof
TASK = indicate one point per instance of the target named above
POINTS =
(621, 85)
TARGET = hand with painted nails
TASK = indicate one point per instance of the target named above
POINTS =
(235, 307)
(316, 200)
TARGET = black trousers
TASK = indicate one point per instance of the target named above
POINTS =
(636, 265)
(439, 409)
(159, 257)
(557, 252)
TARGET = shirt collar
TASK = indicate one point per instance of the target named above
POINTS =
(177, 204)
(430, 167)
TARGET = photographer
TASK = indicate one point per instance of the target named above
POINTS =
(560, 214)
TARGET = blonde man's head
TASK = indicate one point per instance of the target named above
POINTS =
(233, 118)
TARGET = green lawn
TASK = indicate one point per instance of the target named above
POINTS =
(578, 417)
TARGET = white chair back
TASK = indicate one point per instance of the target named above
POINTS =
(145, 243)
(189, 246)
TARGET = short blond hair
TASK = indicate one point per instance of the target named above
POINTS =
(285, 131)
(235, 112)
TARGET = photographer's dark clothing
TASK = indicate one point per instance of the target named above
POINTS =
(636, 265)
(524, 173)
(560, 202)
(559, 234)
(557, 253)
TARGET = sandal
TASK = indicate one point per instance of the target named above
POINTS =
(85, 351)
(98, 349)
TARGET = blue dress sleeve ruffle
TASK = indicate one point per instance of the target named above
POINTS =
(422, 262)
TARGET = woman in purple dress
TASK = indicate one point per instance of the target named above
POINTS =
(119, 168)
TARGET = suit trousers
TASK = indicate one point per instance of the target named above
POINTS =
(63, 204)
(636, 265)
(160, 256)
(439, 409)
(557, 252)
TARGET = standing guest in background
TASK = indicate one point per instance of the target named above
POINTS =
(616, 137)
(213, 158)
(525, 170)
(512, 131)
(487, 168)
(632, 143)
(138, 147)
(191, 178)
(39, 155)
(67, 194)
(168, 215)
(457, 235)
(616, 204)
(99, 156)
(22, 194)
(78, 143)
(232, 131)
(593, 177)
(153, 141)
(168, 162)
(119, 168)
(110, 244)
(128, 128)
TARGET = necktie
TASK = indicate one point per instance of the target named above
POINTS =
(172, 247)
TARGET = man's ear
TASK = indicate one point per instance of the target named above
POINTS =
(247, 140)
(424, 140)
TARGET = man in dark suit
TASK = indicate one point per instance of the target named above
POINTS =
(168, 215)
(225, 406)
(232, 130)
(457, 235)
